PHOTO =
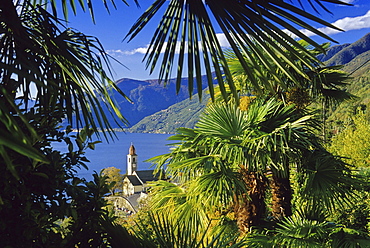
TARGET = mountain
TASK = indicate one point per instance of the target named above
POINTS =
(359, 65)
(332, 51)
(149, 96)
(346, 53)
(183, 114)
(355, 58)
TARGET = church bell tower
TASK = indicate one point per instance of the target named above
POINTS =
(131, 160)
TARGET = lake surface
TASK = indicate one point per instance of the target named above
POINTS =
(147, 145)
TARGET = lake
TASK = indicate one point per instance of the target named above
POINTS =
(147, 145)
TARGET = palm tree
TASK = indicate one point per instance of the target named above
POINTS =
(322, 84)
(229, 153)
(228, 162)
(325, 85)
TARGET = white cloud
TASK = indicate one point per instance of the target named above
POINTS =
(346, 24)
(120, 52)
(348, 1)
(222, 39)
(142, 50)
(353, 23)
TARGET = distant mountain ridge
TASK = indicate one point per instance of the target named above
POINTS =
(158, 109)
(343, 54)
(183, 114)
(332, 51)
(149, 96)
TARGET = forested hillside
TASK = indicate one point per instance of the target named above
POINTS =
(358, 69)
(183, 114)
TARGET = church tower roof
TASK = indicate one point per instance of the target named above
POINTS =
(131, 150)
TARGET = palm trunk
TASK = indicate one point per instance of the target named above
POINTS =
(281, 197)
(250, 208)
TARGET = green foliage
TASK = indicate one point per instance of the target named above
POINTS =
(114, 179)
(323, 174)
(43, 194)
(353, 141)
(298, 231)
(340, 116)
(357, 216)
(43, 203)
(65, 67)
(163, 231)
(308, 227)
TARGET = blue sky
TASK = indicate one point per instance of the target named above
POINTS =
(112, 28)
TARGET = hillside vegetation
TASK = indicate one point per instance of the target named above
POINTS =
(183, 114)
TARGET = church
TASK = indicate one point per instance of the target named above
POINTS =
(136, 181)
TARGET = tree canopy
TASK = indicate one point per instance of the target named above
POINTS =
(114, 179)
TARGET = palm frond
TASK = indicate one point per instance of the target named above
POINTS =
(223, 121)
(166, 195)
(244, 24)
(218, 188)
(66, 68)
(55, 5)
(327, 175)
(165, 232)
(295, 231)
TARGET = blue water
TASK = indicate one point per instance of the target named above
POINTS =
(147, 145)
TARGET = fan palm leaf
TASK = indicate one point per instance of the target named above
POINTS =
(322, 83)
(307, 229)
(325, 174)
(295, 231)
(249, 26)
(163, 231)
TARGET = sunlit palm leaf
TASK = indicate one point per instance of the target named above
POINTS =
(166, 232)
(218, 187)
(224, 122)
(166, 194)
(179, 205)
